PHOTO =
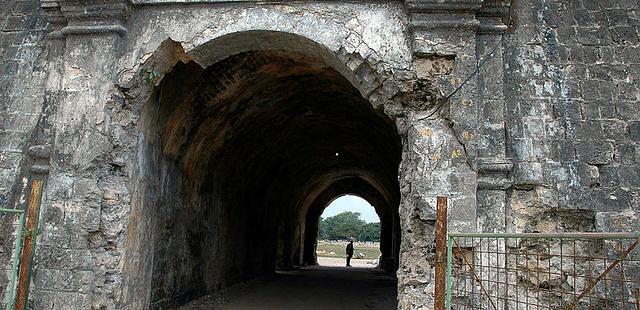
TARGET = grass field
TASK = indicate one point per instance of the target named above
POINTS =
(370, 250)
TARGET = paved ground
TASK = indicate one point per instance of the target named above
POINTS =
(308, 288)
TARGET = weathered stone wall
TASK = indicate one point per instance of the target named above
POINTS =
(571, 76)
(544, 137)
(22, 96)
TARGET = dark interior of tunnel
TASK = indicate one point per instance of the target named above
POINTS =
(247, 153)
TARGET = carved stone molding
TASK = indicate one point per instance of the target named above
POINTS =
(494, 16)
(85, 17)
(481, 16)
(494, 173)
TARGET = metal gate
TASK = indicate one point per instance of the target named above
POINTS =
(17, 223)
(543, 271)
(25, 232)
(535, 271)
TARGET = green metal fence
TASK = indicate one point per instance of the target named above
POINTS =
(543, 271)
(18, 231)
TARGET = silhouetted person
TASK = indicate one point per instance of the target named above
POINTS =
(349, 252)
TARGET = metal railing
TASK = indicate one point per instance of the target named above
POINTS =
(543, 271)
(11, 286)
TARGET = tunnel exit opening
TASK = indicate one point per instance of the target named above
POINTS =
(349, 218)
(240, 159)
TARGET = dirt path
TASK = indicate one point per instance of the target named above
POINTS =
(340, 262)
(308, 288)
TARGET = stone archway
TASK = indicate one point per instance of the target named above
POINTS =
(109, 161)
(231, 154)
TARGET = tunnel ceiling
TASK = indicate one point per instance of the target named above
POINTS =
(270, 124)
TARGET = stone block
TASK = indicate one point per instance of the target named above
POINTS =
(592, 5)
(585, 54)
(590, 90)
(617, 17)
(591, 109)
(565, 149)
(627, 153)
(608, 175)
(527, 174)
(595, 152)
(53, 257)
(65, 280)
(25, 7)
(491, 144)
(567, 110)
(618, 221)
(566, 34)
(614, 130)
(627, 91)
(631, 54)
(598, 72)
(607, 110)
(624, 35)
(628, 110)
(60, 300)
(584, 18)
(557, 19)
(618, 72)
(630, 175)
(522, 149)
(634, 130)
(593, 36)
(589, 130)
(89, 218)
(14, 23)
(612, 200)
(491, 210)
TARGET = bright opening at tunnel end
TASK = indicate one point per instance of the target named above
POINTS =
(349, 218)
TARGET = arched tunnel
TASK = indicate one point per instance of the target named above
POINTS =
(248, 153)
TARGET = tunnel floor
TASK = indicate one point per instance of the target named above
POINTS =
(308, 288)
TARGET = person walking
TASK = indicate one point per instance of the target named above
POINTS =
(349, 252)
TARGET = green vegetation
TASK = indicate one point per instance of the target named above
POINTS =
(346, 225)
(370, 250)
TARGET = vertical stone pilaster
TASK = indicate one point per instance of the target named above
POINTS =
(80, 250)
(494, 168)
(438, 149)
(459, 152)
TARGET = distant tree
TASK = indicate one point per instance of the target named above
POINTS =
(342, 226)
(323, 230)
(369, 232)
(348, 224)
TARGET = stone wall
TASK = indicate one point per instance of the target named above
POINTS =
(23, 64)
(22, 96)
(571, 75)
(544, 136)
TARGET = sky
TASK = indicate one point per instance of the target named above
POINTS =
(353, 204)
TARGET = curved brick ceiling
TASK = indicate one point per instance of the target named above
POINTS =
(272, 122)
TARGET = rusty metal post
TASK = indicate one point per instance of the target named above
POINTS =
(441, 253)
(28, 245)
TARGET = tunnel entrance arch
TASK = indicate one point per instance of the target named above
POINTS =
(235, 154)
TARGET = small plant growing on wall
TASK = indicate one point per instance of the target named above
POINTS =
(149, 75)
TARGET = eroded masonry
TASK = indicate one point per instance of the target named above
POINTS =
(185, 146)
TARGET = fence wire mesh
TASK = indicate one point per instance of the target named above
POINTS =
(543, 271)
(11, 228)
